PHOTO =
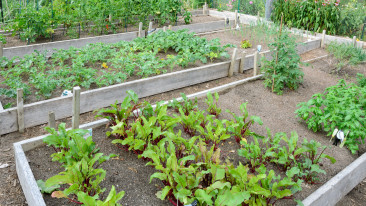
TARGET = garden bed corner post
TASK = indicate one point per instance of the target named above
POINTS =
(150, 25)
(76, 108)
(255, 66)
(322, 44)
(232, 64)
(354, 41)
(140, 30)
(1, 49)
(51, 120)
(20, 110)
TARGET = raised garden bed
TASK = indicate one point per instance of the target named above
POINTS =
(59, 35)
(56, 105)
(277, 114)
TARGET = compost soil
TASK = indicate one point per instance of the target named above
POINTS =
(277, 113)
(60, 35)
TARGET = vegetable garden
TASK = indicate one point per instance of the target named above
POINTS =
(262, 143)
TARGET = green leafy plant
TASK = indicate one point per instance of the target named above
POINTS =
(240, 125)
(340, 106)
(346, 54)
(283, 70)
(245, 44)
(187, 17)
(212, 106)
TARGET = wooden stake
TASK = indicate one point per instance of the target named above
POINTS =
(322, 44)
(236, 17)
(1, 49)
(255, 66)
(274, 71)
(110, 18)
(170, 27)
(164, 29)
(140, 30)
(231, 69)
(150, 26)
(354, 41)
(51, 120)
(242, 63)
(1, 107)
(20, 110)
(76, 108)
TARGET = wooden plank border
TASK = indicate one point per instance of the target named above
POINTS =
(21, 51)
(37, 113)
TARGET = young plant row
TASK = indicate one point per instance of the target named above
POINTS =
(189, 163)
(98, 65)
(33, 21)
(81, 178)
(342, 107)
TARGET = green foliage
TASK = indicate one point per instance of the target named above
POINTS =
(240, 125)
(245, 44)
(346, 54)
(187, 17)
(192, 168)
(361, 80)
(2, 38)
(310, 15)
(299, 161)
(112, 198)
(283, 70)
(105, 64)
(212, 106)
(81, 161)
(341, 106)
(30, 23)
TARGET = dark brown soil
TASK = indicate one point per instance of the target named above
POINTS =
(60, 35)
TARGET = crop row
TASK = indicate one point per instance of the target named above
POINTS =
(189, 163)
(98, 65)
(32, 21)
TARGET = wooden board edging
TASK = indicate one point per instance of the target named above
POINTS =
(37, 113)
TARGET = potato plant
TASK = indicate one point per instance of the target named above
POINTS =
(341, 106)
(98, 65)
(189, 163)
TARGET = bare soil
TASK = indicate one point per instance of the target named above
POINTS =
(60, 34)
(277, 113)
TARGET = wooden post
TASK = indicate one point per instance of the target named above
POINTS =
(150, 26)
(140, 30)
(236, 17)
(1, 107)
(255, 69)
(1, 49)
(242, 63)
(76, 108)
(354, 41)
(20, 110)
(164, 29)
(205, 9)
(231, 69)
(110, 18)
(170, 27)
(51, 120)
(322, 44)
